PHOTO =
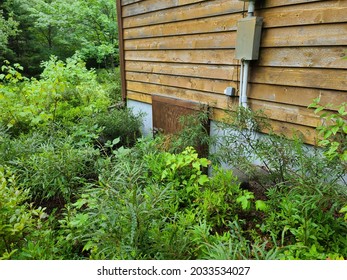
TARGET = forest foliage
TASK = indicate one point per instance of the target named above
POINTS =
(33, 30)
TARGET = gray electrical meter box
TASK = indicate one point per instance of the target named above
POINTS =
(248, 38)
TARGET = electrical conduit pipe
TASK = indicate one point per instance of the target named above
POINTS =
(245, 67)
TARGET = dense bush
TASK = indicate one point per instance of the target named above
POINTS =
(121, 124)
(305, 190)
(22, 227)
(65, 92)
(153, 207)
(109, 79)
(333, 130)
(55, 169)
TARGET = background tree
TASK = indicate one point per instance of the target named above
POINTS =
(62, 28)
(8, 28)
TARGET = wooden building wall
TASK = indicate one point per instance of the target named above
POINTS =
(186, 49)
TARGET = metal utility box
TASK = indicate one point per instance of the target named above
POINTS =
(248, 38)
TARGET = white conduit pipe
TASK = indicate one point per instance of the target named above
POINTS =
(245, 64)
(250, 8)
(244, 71)
(241, 83)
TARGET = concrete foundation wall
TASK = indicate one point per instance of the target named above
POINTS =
(146, 110)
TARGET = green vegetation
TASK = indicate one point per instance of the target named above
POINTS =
(79, 182)
(333, 130)
(32, 31)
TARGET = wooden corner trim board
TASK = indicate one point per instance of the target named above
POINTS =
(121, 49)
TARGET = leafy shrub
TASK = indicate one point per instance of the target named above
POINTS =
(306, 221)
(135, 203)
(19, 221)
(149, 199)
(66, 92)
(194, 133)
(334, 134)
(272, 159)
(151, 204)
(333, 130)
(122, 124)
(53, 167)
(232, 244)
(301, 214)
(221, 199)
(183, 170)
(109, 79)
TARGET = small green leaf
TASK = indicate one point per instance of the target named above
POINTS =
(79, 203)
(196, 165)
(203, 179)
(341, 110)
(319, 109)
(335, 130)
(244, 201)
(328, 133)
(261, 205)
(89, 245)
(343, 209)
(115, 141)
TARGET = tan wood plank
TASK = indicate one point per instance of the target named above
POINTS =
(154, 5)
(295, 95)
(334, 79)
(127, 2)
(214, 100)
(307, 134)
(209, 85)
(331, 12)
(196, 26)
(278, 3)
(290, 95)
(286, 113)
(272, 93)
(311, 35)
(314, 78)
(222, 40)
(222, 72)
(316, 35)
(222, 57)
(316, 57)
(199, 10)
(312, 13)
(138, 96)
(207, 9)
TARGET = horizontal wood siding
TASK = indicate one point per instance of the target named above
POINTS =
(186, 49)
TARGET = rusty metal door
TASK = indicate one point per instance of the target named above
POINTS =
(167, 112)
